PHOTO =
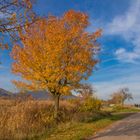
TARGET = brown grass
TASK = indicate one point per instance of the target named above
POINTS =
(29, 119)
(24, 119)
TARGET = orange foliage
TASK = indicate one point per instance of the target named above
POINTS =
(56, 53)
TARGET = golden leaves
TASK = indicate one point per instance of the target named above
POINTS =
(56, 53)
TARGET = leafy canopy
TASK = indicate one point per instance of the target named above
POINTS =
(56, 53)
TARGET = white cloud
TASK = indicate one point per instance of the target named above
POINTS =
(128, 27)
(124, 55)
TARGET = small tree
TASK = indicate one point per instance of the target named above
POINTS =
(126, 95)
(86, 91)
(56, 54)
(121, 96)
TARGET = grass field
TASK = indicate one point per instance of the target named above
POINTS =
(33, 119)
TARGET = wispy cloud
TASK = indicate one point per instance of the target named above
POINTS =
(128, 27)
(2, 67)
(126, 56)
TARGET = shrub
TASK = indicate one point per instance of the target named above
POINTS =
(91, 105)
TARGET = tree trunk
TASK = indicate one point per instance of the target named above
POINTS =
(122, 103)
(56, 106)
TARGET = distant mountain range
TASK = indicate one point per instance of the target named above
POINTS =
(36, 95)
(5, 93)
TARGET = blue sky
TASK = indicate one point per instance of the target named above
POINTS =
(120, 43)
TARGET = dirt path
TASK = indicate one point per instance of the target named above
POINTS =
(126, 129)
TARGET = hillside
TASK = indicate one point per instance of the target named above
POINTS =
(35, 94)
(5, 93)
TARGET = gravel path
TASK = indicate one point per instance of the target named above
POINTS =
(126, 129)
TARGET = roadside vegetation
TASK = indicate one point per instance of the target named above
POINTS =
(34, 119)
(82, 130)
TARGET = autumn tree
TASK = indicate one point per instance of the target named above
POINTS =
(56, 54)
(88, 99)
(116, 98)
(86, 91)
(121, 96)
(126, 95)
(14, 16)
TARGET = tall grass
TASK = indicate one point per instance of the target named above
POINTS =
(26, 119)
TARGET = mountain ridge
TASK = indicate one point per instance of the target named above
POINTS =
(33, 94)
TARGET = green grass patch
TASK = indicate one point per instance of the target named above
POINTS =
(81, 130)
(125, 109)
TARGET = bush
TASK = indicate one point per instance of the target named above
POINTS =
(91, 105)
